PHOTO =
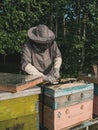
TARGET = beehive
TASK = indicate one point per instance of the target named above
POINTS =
(64, 106)
(92, 79)
(29, 122)
(19, 111)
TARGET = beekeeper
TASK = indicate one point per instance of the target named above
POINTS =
(41, 55)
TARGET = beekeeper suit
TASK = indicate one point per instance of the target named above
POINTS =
(41, 55)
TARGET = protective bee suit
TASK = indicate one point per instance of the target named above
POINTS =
(40, 54)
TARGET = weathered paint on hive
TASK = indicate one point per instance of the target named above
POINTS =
(95, 105)
(18, 82)
(67, 100)
(16, 107)
(67, 116)
(96, 89)
(65, 89)
(29, 122)
(28, 92)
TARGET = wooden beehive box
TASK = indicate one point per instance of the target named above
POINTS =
(94, 80)
(29, 122)
(63, 106)
(90, 79)
(58, 96)
(95, 106)
(19, 111)
(66, 117)
(95, 89)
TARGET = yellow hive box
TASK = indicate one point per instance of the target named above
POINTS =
(29, 122)
(22, 106)
(18, 104)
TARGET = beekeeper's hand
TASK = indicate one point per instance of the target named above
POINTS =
(49, 79)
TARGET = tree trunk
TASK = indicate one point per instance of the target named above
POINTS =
(64, 26)
(78, 17)
(84, 37)
(56, 32)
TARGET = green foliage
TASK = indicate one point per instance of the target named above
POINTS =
(70, 65)
(15, 19)
(11, 42)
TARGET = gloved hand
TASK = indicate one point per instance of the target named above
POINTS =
(56, 73)
(49, 79)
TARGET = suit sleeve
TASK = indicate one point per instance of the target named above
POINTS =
(26, 65)
(57, 57)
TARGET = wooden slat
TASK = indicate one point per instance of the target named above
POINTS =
(29, 84)
(85, 124)
(91, 79)
(28, 92)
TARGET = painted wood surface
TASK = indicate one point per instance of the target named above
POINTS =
(95, 106)
(16, 107)
(89, 79)
(18, 82)
(95, 89)
(29, 122)
(66, 89)
(28, 92)
(65, 117)
(67, 100)
(94, 80)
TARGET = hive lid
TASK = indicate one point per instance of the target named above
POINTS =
(18, 82)
(67, 88)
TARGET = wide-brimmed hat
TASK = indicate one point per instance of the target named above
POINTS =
(41, 34)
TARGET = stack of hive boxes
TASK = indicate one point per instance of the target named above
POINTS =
(95, 108)
(63, 106)
(19, 111)
(92, 79)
